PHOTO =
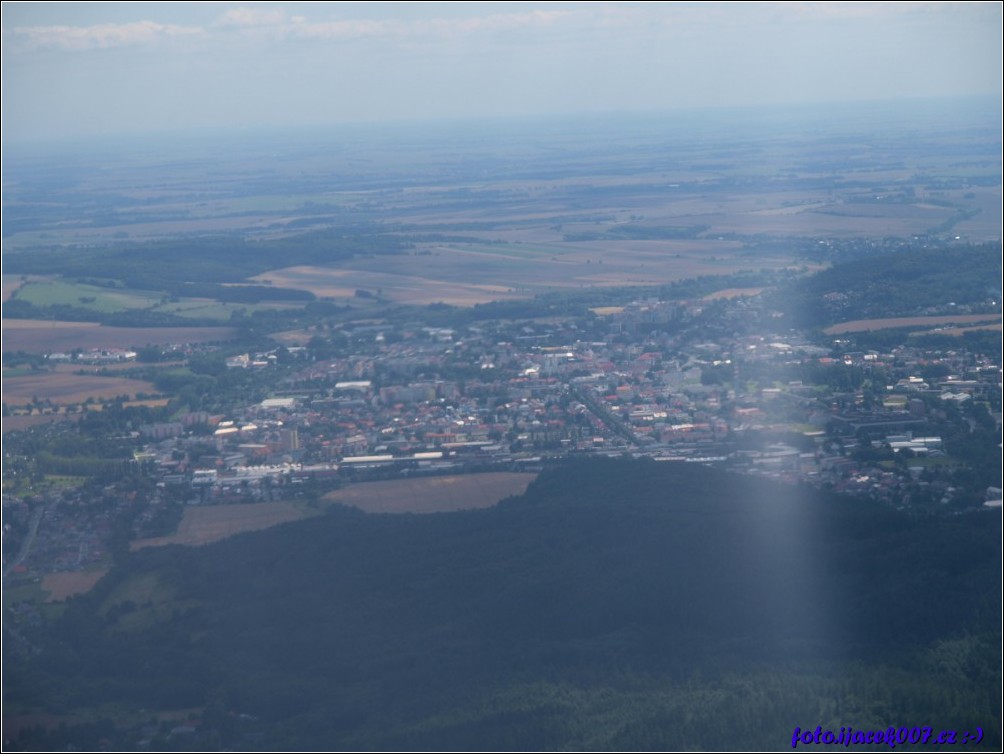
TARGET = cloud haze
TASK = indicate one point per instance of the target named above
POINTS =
(73, 68)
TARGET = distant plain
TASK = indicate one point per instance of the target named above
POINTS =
(501, 212)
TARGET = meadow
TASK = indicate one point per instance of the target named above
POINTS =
(101, 299)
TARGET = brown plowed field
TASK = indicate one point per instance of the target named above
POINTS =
(203, 524)
(208, 523)
(69, 388)
(65, 584)
(44, 336)
(433, 494)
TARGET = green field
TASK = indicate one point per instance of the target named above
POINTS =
(200, 308)
(63, 481)
(104, 300)
(46, 293)
(32, 593)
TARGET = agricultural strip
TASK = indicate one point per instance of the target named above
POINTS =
(16, 423)
(733, 293)
(44, 336)
(865, 325)
(327, 282)
(960, 331)
(464, 275)
(433, 494)
(69, 388)
(63, 584)
(204, 524)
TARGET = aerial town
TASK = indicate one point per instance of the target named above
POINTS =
(683, 381)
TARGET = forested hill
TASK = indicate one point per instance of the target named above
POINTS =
(617, 604)
(952, 280)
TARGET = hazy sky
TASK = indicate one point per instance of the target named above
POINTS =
(83, 68)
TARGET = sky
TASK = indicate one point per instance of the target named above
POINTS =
(72, 69)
